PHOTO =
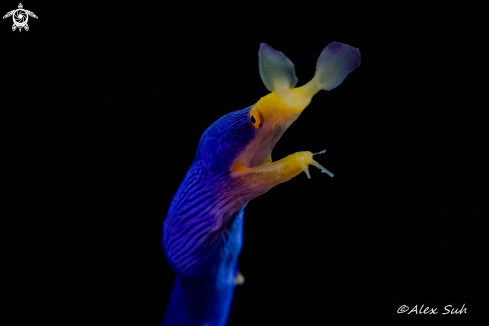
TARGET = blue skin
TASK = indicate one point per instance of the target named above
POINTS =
(203, 246)
(203, 229)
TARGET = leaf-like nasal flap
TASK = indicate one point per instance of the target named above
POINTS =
(276, 70)
(335, 63)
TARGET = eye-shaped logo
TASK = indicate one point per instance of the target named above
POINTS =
(20, 17)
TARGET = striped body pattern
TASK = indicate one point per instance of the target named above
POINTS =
(203, 228)
(204, 207)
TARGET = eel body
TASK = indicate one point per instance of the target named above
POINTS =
(203, 228)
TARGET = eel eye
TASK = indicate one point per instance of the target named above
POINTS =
(255, 118)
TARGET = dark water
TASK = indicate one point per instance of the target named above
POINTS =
(103, 107)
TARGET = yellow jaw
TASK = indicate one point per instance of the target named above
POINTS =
(285, 103)
(279, 109)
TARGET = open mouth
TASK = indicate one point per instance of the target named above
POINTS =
(263, 152)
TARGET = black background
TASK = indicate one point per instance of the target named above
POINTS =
(103, 107)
